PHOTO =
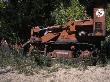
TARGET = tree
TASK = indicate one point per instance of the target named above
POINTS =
(62, 13)
(19, 16)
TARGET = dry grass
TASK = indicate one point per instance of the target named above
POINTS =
(92, 74)
(39, 68)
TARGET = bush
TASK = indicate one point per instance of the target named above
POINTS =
(74, 11)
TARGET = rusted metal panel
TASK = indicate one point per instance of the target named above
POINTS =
(79, 31)
(62, 54)
(65, 37)
(48, 37)
(99, 22)
(70, 25)
(36, 29)
(72, 37)
(84, 22)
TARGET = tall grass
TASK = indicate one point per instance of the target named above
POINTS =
(24, 64)
(29, 64)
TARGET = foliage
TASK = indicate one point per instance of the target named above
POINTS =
(74, 11)
(2, 5)
(19, 16)
(108, 18)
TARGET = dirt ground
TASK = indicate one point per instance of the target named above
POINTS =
(91, 74)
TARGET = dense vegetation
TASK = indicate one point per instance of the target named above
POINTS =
(18, 16)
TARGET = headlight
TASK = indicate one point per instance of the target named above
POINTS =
(82, 33)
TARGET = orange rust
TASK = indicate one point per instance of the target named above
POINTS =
(99, 23)
(71, 32)
(71, 26)
(84, 22)
(48, 37)
(98, 34)
(64, 36)
(72, 37)
(36, 29)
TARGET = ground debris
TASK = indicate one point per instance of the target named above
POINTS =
(92, 74)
